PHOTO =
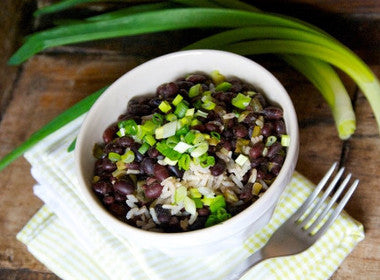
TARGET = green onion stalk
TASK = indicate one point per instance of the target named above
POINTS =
(304, 46)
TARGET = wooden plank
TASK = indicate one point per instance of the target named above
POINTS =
(363, 160)
(46, 87)
(17, 274)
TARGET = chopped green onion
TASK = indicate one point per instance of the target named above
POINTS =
(185, 121)
(157, 118)
(166, 130)
(180, 194)
(198, 202)
(166, 151)
(164, 106)
(199, 150)
(181, 110)
(128, 127)
(215, 218)
(170, 162)
(150, 139)
(215, 135)
(285, 140)
(197, 104)
(172, 141)
(241, 101)
(190, 112)
(189, 137)
(194, 193)
(195, 90)
(177, 100)
(241, 159)
(208, 105)
(217, 203)
(199, 138)
(183, 130)
(216, 77)
(128, 156)
(195, 122)
(208, 161)
(224, 86)
(113, 156)
(140, 133)
(182, 147)
(270, 140)
(202, 114)
(171, 117)
(184, 162)
(149, 127)
(189, 205)
(144, 148)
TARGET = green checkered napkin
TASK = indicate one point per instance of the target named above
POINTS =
(68, 239)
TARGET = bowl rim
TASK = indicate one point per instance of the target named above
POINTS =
(104, 216)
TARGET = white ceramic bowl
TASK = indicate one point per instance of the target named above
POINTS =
(145, 79)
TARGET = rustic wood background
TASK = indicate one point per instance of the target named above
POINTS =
(50, 82)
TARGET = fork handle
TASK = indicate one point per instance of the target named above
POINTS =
(242, 268)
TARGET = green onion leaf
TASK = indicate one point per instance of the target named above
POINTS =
(164, 106)
(208, 105)
(201, 149)
(224, 86)
(241, 101)
(72, 146)
(171, 117)
(181, 110)
(184, 162)
(144, 148)
(128, 127)
(128, 156)
(215, 135)
(270, 140)
(189, 137)
(195, 90)
(166, 130)
(150, 139)
(177, 100)
(285, 140)
(217, 203)
(113, 157)
(158, 118)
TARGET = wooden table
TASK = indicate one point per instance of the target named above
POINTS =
(50, 82)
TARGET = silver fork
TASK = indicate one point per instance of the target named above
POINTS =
(296, 235)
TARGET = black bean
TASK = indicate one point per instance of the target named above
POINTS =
(224, 96)
(135, 148)
(279, 127)
(105, 165)
(211, 127)
(167, 90)
(274, 149)
(250, 118)
(200, 127)
(267, 129)
(204, 211)
(257, 161)
(139, 109)
(163, 215)
(275, 168)
(160, 172)
(119, 197)
(173, 169)
(154, 102)
(278, 159)
(110, 133)
(124, 187)
(246, 194)
(108, 200)
(196, 78)
(125, 141)
(226, 145)
(240, 131)
(228, 133)
(184, 85)
(262, 99)
(118, 210)
(256, 150)
(102, 187)
(218, 168)
(153, 191)
(147, 165)
(153, 152)
(273, 113)
(237, 85)
(133, 166)
(198, 223)
(113, 147)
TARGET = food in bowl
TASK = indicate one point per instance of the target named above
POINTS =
(199, 151)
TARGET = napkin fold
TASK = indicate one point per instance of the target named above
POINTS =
(71, 242)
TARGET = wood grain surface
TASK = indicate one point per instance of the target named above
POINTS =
(47, 84)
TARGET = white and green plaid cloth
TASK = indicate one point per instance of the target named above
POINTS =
(68, 239)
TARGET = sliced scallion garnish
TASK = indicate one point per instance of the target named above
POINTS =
(177, 100)
(144, 148)
(195, 90)
(113, 156)
(164, 106)
(184, 162)
(241, 101)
